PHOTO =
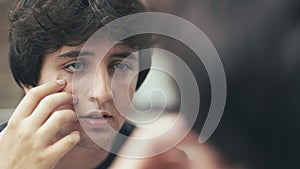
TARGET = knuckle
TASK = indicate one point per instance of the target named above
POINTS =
(49, 100)
(42, 157)
(59, 117)
(11, 124)
(26, 134)
(15, 124)
(34, 92)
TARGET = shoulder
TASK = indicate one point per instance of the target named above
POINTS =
(127, 128)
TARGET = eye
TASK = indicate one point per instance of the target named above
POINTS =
(76, 66)
(121, 66)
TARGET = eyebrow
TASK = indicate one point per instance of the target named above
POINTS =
(125, 55)
(75, 54)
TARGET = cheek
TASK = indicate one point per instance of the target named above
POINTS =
(123, 90)
(82, 85)
(132, 87)
(51, 72)
(68, 78)
(68, 87)
(47, 77)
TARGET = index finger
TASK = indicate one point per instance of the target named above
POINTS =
(33, 97)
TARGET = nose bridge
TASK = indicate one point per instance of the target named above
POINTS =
(101, 90)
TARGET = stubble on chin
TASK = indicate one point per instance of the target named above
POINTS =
(85, 141)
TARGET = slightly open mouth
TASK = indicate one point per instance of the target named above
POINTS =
(95, 121)
(95, 117)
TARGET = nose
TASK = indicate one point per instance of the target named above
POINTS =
(100, 91)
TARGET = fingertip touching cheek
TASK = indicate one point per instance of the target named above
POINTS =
(98, 82)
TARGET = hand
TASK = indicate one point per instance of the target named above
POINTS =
(27, 142)
(188, 154)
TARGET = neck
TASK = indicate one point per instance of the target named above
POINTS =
(82, 158)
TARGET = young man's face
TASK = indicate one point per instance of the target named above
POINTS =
(90, 77)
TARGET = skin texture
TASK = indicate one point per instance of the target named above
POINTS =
(47, 113)
(91, 82)
(19, 147)
(45, 131)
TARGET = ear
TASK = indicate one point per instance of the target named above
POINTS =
(26, 88)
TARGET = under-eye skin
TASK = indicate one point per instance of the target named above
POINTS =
(76, 66)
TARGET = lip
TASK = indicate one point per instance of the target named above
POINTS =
(95, 119)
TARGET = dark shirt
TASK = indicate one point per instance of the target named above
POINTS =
(126, 130)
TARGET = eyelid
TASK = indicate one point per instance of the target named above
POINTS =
(69, 62)
(77, 61)
(120, 62)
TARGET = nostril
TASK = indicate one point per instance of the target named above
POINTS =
(100, 97)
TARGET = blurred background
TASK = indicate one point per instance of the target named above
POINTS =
(10, 93)
(258, 43)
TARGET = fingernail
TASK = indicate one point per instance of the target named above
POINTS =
(61, 82)
(75, 99)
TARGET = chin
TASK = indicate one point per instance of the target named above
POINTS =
(86, 143)
(102, 138)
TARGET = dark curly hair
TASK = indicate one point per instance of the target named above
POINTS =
(40, 27)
